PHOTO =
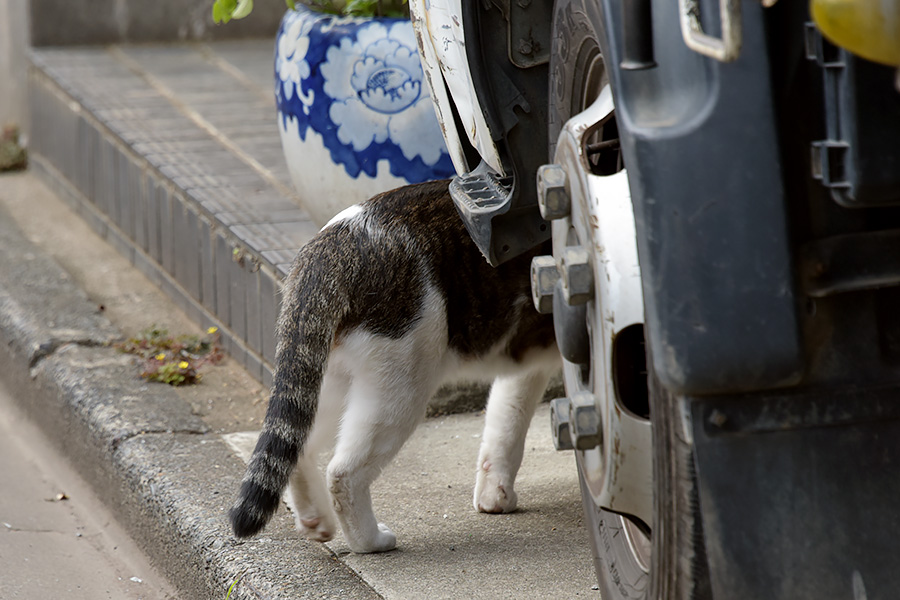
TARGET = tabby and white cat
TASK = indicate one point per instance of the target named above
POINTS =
(390, 300)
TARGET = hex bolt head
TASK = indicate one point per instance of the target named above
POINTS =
(559, 424)
(554, 199)
(584, 421)
(544, 276)
(576, 275)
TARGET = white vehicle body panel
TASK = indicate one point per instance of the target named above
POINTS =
(442, 46)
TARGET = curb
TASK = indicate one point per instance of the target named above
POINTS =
(165, 476)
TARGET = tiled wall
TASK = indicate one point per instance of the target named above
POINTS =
(211, 232)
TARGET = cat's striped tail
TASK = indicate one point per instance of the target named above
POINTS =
(307, 327)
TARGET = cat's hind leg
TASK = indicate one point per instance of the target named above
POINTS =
(510, 406)
(381, 415)
(307, 493)
(309, 501)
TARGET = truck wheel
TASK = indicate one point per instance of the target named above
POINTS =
(667, 562)
(655, 552)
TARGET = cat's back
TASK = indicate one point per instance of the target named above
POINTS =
(395, 245)
(485, 305)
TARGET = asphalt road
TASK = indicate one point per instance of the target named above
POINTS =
(57, 540)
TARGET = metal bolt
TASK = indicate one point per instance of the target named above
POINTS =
(584, 421)
(553, 192)
(717, 418)
(559, 424)
(576, 275)
(526, 47)
(544, 276)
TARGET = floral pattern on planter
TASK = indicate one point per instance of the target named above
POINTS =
(359, 84)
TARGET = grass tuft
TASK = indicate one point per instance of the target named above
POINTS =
(175, 360)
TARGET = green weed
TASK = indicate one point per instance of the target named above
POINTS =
(175, 360)
(233, 585)
(225, 10)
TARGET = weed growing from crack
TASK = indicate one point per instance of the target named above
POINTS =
(233, 584)
(13, 156)
(175, 360)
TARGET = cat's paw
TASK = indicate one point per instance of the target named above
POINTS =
(316, 528)
(382, 541)
(492, 495)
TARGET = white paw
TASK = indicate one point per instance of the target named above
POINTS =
(492, 494)
(315, 528)
(382, 541)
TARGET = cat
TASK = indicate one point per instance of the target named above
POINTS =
(387, 302)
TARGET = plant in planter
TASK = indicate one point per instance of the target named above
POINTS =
(354, 112)
(225, 10)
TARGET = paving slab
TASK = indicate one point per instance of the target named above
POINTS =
(425, 496)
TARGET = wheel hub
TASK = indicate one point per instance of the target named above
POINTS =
(599, 225)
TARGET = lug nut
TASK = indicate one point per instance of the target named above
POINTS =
(544, 276)
(559, 424)
(576, 275)
(584, 421)
(553, 192)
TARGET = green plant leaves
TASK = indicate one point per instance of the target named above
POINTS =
(12, 155)
(243, 9)
(377, 8)
(225, 10)
(170, 359)
(222, 10)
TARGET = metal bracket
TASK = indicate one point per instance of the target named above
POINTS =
(724, 49)
(528, 35)
(857, 159)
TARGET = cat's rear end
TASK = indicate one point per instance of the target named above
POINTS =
(380, 308)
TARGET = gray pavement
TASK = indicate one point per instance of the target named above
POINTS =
(158, 457)
(57, 539)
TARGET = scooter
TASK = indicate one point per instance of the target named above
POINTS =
(721, 181)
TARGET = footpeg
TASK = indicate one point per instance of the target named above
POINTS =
(499, 224)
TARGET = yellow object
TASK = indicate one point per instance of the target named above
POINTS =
(183, 365)
(212, 330)
(160, 357)
(867, 28)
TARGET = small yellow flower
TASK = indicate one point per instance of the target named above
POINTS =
(212, 330)
(183, 365)
(161, 356)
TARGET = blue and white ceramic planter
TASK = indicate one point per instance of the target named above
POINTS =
(353, 108)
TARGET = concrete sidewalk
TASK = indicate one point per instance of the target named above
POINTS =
(156, 454)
